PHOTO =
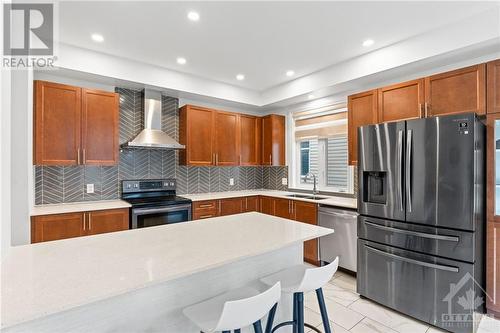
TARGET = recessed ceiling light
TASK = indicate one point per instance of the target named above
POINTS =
(193, 16)
(290, 73)
(368, 42)
(240, 77)
(97, 38)
(181, 60)
(310, 96)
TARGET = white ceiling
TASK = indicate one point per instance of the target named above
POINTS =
(259, 39)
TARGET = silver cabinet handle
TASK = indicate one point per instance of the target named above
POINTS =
(270, 159)
(90, 221)
(205, 216)
(420, 110)
(414, 233)
(84, 157)
(216, 158)
(78, 156)
(408, 169)
(205, 205)
(399, 169)
(84, 220)
(426, 108)
(413, 261)
(220, 203)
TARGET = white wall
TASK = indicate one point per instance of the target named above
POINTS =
(5, 177)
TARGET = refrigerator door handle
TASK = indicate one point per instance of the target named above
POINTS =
(400, 169)
(413, 261)
(408, 169)
(414, 233)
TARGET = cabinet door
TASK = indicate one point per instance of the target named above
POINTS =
(308, 213)
(227, 142)
(58, 226)
(267, 205)
(99, 127)
(401, 101)
(362, 110)
(230, 206)
(196, 131)
(250, 140)
(493, 86)
(273, 140)
(252, 204)
(103, 221)
(283, 208)
(57, 124)
(493, 268)
(458, 91)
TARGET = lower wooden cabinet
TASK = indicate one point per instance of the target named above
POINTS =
(493, 268)
(307, 212)
(231, 206)
(267, 205)
(60, 226)
(283, 208)
(251, 204)
(205, 209)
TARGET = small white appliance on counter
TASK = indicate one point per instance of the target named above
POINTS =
(343, 242)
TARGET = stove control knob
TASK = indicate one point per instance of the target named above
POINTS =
(172, 184)
(165, 184)
(129, 186)
(136, 185)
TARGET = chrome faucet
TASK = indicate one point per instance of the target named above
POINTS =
(315, 190)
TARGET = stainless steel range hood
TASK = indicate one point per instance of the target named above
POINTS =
(152, 136)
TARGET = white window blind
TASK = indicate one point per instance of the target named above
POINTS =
(337, 170)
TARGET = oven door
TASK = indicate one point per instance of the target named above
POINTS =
(150, 217)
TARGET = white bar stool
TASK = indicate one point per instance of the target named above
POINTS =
(301, 279)
(236, 309)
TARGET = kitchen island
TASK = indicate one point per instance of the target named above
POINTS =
(139, 280)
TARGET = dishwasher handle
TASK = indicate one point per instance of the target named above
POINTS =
(342, 215)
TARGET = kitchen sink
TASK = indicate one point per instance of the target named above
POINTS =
(303, 196)
(316, 198)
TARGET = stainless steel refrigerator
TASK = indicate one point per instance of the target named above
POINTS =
(421, 226)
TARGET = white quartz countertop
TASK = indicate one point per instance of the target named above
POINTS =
(78, 207)
(46, 278)
(337, 201)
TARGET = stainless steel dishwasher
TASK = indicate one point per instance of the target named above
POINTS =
(343, 242)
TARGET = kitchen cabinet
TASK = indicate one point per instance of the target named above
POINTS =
(307, 212)
(231, 206)
(493, 86)
(266, 205)
(205, 209)
(196, 132)
(273, 140)
(61, 226)
(401, 101)
(458, 91)
(493, 213)
(283, 208)
(99, 127)
(226, 139)
(251, 204)
(250, 140)
(362, 110)
(74, 125)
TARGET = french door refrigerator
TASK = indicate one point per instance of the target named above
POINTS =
(421, 223)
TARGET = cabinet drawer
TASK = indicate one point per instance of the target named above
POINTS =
(205, 205)
(204, 214)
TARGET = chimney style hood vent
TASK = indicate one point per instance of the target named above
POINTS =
(152, 136)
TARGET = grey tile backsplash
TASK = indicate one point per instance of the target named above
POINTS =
(58, 184)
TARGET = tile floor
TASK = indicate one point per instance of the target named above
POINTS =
(349, 313)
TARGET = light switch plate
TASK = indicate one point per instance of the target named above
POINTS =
(284, 181)
(231, 181)
(90, 188)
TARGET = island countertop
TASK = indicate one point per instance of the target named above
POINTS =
(47, 278)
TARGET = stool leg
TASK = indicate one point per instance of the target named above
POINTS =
(322, 308)
(270, 319)
(237, 331)
(300, 312)
(295, 313)
(257, 327)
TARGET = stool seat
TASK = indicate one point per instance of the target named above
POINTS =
(206, 314)
(290, 278)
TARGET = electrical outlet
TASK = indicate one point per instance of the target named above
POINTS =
(90, 188)
(231, 181)
(284, 181)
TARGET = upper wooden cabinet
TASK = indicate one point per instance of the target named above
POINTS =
(61, 226)
(458, 91)
(493, 86)
(222, 138)
(250, 140)
(401, 101)
(74, 125)
(196, 132)
(362, 110)
(227, 138)
(273, 140)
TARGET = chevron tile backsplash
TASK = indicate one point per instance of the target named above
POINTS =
(58, 184)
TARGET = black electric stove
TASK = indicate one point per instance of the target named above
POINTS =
(154, 202)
